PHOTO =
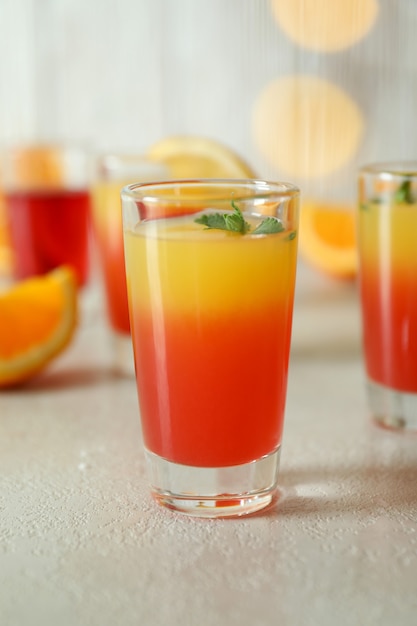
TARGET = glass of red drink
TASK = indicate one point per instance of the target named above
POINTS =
(211, 270)
(387, 225)
(112, 172)
(47, 199)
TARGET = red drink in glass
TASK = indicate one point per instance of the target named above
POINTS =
(49, 228)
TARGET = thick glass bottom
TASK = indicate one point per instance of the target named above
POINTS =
(214, 491)
(396, 410)
(122, 354)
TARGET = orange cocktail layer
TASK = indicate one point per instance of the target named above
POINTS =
(388, 249)
(211, 321)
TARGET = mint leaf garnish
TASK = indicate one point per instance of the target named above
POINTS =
(225, 221)
(212, 220)
(235, 222)
(403, 193)
(267, 226)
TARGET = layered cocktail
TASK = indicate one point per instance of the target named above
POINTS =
(211, 273)
(112, 172)
(388, 288)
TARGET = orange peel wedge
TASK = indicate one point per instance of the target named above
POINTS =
(328, 238)
(190, 156)
(38, 317)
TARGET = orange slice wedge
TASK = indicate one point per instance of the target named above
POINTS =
(189, 156)
(38, 317)
(328, 238)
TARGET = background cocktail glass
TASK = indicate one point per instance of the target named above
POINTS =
(112, 172)
(47, 200)
(387, 232)
(211, 315)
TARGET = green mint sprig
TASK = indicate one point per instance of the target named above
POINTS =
(403, 193)
(235, 222)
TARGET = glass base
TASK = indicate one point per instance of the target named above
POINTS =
(393, 409)
(122, 350)
(214, 491)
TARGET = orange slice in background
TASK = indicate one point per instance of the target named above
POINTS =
(328, 238)
(37, 166)
(38, 317)
(189, 156)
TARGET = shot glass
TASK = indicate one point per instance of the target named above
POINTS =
(112, 172)
(211, 269)
(47, 201)
(387, 233)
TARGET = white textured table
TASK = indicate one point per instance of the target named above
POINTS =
(83, 544)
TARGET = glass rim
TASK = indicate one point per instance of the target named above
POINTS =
(391, 168)
(257, 188)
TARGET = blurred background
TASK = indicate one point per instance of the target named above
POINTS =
(124, 73)
(304, 90)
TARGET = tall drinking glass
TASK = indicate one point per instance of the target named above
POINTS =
(388, 290)
(112, 172)
(211, 268)
(46, 192)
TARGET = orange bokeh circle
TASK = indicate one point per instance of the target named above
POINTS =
(325, 25)
(306, 126)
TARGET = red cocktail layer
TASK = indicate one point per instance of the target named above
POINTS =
(48, 229)
(115, 284)
(197, 370)
(389, 305)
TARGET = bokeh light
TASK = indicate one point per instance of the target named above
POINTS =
(306, 126)
(326, 25)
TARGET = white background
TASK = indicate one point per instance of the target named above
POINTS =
(121, 74)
